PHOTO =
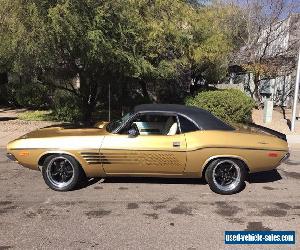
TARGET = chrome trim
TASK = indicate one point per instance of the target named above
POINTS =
(11, 157)
(285, 158)
(55, 148)
(134, 149)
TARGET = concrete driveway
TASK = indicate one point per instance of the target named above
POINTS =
(143, 213)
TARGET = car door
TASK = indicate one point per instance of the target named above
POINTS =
(144, 154)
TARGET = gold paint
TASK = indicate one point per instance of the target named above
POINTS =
(101, 153)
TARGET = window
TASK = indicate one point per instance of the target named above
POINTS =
(153, 124)
(116, 123)
(186, 125)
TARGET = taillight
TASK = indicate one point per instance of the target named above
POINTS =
(273, 154)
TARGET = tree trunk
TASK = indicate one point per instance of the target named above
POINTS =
(3, 88)
(145, 91)
(256, 89)
(88, 88)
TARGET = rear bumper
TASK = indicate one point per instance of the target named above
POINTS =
(285, 158)
(11, 157)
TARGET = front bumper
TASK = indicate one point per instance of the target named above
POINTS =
(11, 157)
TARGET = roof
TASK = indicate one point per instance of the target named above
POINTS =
(204, 119)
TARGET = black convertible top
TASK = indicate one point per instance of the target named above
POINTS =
(204, 119)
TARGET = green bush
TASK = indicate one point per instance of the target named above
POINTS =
(31, 95)
(65, 107)
(230, 105)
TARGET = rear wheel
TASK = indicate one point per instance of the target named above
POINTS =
(61, 172)
(226, 176)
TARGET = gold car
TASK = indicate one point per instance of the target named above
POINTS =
(161, 140)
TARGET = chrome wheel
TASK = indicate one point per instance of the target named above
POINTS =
(226, 175)
(60, 172)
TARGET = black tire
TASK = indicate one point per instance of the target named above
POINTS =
(62, 172)
(226, 176)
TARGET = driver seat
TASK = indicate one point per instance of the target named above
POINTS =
(170, 127)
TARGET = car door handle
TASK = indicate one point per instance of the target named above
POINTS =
(176, 144)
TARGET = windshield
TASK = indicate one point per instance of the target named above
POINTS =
(113, 125)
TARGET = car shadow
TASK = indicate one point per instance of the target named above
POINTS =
(147, 180)
(264, 177)
(261, 177)
(86, 183)
(4, 119)
(155, 180)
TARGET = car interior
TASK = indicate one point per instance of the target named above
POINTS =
(153, 124)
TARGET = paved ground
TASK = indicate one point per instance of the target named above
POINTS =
(134, 213)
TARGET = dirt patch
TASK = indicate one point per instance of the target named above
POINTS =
(292, 163)
(132, 205)
(273, 212)
(282, 205)
(98, 213)
(5, 203)
(256, 226)
(8, 209)
(268, 188)
(46, 211)
(156, 205)
(225, 209)
(161, 202)
(98, 187)
(30, 214)
(293, 175)
(181, 209)
(5, 247)
(123, 188)
(159, 206)
(67, 203)
(236, 220)
(83, 244)
(153, 216)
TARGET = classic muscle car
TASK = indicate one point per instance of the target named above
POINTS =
(161, 140)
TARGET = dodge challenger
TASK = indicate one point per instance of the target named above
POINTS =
(159, 140)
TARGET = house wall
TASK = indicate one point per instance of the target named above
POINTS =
(279, 89)
(283, 48)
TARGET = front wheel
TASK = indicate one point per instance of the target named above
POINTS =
(61, 172)
(226, 176)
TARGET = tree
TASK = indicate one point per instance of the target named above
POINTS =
(213, 42)
(264, 34)
(134, 45)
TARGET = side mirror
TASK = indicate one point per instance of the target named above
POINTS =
(132, 133)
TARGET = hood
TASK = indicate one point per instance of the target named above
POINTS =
(66, 130)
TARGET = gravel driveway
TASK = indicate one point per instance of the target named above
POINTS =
(11, 127)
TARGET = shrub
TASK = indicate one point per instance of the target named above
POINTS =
(31, 95)
(65, 107)
(230, 105)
